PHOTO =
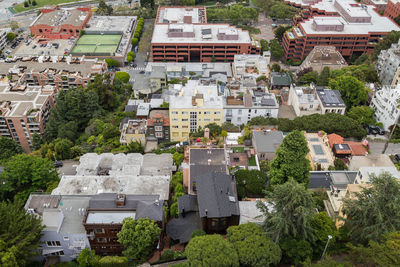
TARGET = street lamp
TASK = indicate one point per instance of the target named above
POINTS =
(326, 246)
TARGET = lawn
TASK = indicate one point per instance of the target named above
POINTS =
(252, 161)
(40, 3)
(238, 149)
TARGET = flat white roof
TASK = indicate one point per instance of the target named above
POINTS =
(160, 34)
(170, 14)
(107, 217)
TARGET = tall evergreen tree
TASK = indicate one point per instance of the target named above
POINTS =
(290, 160)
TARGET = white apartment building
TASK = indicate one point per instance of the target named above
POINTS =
(385, 104)
(388, 65)
(245, 65)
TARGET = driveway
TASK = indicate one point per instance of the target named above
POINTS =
(68, 168)
(377, 147)
(265, 26)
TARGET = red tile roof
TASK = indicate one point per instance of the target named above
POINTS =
(150, 122)
(357, 148)
(334, 139)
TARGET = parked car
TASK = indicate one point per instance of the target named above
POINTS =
(58, 164)
(374, 129)
(397, 158)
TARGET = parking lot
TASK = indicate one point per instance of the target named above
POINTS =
(37, 48)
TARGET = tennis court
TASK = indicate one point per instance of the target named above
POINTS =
(97, 43)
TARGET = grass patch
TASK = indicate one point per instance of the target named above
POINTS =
(252, 161)
(238, 149)
(40, 3)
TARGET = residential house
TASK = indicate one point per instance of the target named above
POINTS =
(345, 149)
(330, 101)
(327, 179)
(158, 78)
(388, 65)
(304, 100)
(250, 66)
(320, 153)
(385, 103)
(364, 173)
(158, 126)
(196, 105)
(377, 160)
(104, 217)
(242, 158)
(133, 130)
(280, 80)
(265, 143)
(321, 57)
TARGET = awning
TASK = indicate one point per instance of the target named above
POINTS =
(47, 251)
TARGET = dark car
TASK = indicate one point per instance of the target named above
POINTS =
(58, 164)
(397, 157)
(117, 69)
(373, 129)
(141, 72)
(133, 65)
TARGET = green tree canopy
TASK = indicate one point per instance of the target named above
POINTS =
(122, 76)
(279, 31)
(276, 49)
(211, 250)
(20, 234)
(88, 258)
(138, 237)
(24, 174)
(353, 91)
(323, 226)
(252, 246)
(363, 72)
(323, 79)
(309, 77)
(362, 114)
(290, 161)
(76, 106)
(386, 42)
(105, 91)
(375, 211)
(11, 36)
(214, 128)
(250, 183)
(288, 212)
(111, 62)
(8, 148)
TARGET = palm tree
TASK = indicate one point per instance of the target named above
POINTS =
(393, 128)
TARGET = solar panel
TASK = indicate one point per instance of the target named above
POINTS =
(323, 161)
(318, 150)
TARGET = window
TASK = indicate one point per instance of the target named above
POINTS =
(174, 112)
(53, 243)
(217, 112)
(185, 119)
(174, 119)
(206, 119)
(66, 238)
(175, 126)
(185, 113)
(99, 231)
(58, 253)
(206, 112)
(159, 135)
(102, 240)
(158, 128)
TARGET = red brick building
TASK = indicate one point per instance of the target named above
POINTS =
(182, 34)
(59, 23)
(392, 9)
(354, 30)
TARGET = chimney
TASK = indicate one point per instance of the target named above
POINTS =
(120, 201)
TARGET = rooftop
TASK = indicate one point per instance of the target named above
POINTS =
(65, 16)
(326, 55)
(267, 141)
(280, 79)
(181, 15)
(107, 24)
(370, 160)
(249, 213)
(367, 172)
(326, 179)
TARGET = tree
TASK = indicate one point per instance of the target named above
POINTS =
(264, 166)
(111, 62)
(105, 91)
(34, 3)
(362, 114)
(230, 127)
(323, 226)
(338, 165)
(375, 211)
(178, 158)
(279, 32)
(385, 253)
(135, 147)
(138, 237)
(365, 73)
(250, 183)
(389, 39)
(37, 141)
(134, 41)
(87, 258)
(276, 49)
(11, 36)
(352, 90)
(211, 250)
(24, 174)
(122, 76)
(290, 161)
(309, 77)
(62, 149)
(276, 67)
(104, 9)
(323, 79)
(288, 212)
(26, 4)
(74, 105)
(296, 251)
(8, 148)
(252, 246)
(215, 129)
(197, 232)
(20, 234)
(14, 25)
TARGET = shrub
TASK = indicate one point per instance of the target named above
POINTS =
(134, 42)
(111, 62)
(198, 232)
(122, 76)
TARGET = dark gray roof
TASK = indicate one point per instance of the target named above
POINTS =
(124, 120)
(319, 180)
(201, 156)
(187, 203)
(330, 98)
(280, 79)
(216, 194)
(267, 141)
(181, 228)
(150, 210)
(130, 108)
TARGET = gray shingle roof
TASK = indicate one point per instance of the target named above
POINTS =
(187, 203)
(280, 79)
(267, 141)
(216, 194)
(181, 228)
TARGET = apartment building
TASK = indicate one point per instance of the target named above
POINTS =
(133, 130)
(385, 103)
(241, 109)
(158, 126)
(25, 111)
(61, 73)
(250, 66)
(182, 34)
(105, 213)
(60, 23)
(321, 57)
(351, 27)
(388, 65)
(380, 5)
(195, 106)
(392, 9)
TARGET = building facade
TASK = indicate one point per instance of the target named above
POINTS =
(350, 27)
(25, 111)
(385, 104)
(195, 106)
(3, 37)
(182, 34)
(57, 23)
(388, 65)
(158, 126)
(392, 9)
(133, 130)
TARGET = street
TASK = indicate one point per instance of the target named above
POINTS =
(377, 147)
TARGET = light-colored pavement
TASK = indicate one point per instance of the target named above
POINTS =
(265, 26)
(377, 147)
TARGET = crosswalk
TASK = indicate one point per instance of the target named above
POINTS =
(138, 68)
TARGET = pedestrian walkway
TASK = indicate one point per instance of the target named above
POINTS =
(138, 68)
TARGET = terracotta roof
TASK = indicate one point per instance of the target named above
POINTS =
(357, 148)
(150, 122)
(334, 139)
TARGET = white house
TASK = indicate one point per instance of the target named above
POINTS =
(385, 104)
